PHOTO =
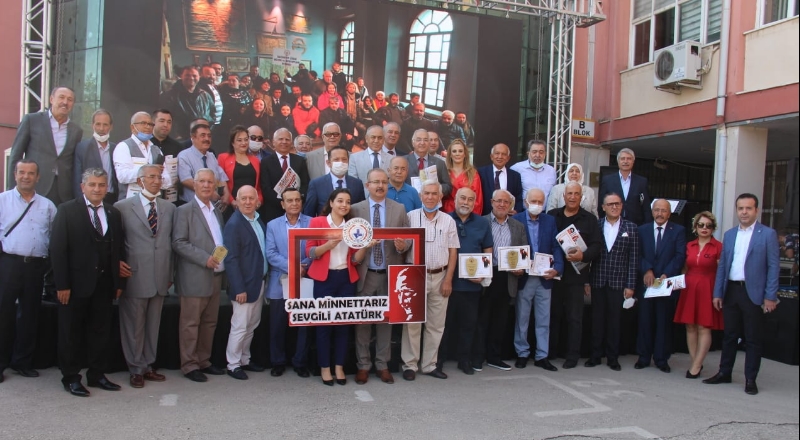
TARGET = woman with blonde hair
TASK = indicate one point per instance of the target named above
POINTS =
(574, 174)
(462, 174)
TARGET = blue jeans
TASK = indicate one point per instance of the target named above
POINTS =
(536, 296)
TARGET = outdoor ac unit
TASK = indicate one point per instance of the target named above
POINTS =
(678, 64)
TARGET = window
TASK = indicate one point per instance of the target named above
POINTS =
(774, 10)
(428, 52)
(346, 49)
(661, 23)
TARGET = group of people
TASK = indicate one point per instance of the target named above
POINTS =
(87, 217)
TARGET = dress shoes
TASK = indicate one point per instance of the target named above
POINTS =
(26, 372)
(664, 368)
(327, 382)
(385, 375)
(438, 373)
(569, 363)
(500, 365)
(342, 381)
(302, 371)
(255, 368)
(362, 376)
(76, 389)
(237, 373)
(614, 365)
(521, 362)
(213, 370)
(137, 381)
(750, 387)
(409, 375)
(196, 376)
(152, 376)
(689, 374)
(466, 367)
(592, 362)
(104, 384)
(639, 365)
(718, 378)
(544, 363)
(277, 370)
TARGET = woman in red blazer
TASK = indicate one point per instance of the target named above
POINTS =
(333, 268)
(241, 167)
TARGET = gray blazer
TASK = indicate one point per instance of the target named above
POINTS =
(87, 156)
(315, 161)
(361, 163)
(518, 238)
(34, 141)
(150, 257)
(441, 172)
(395, 218)
(193, 243)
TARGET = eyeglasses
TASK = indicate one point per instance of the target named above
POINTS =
(332, 135)
(379, 182)
(462, 231)
(257, 138)
(146, 124)
(614, 205)
(501, 201)
(701, 225)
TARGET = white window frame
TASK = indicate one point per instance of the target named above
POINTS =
(347, 67)
(760, 16)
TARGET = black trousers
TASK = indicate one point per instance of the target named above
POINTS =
(606, 315)
(567, 304)
(91, 315)
(460, 323)
(492, 316)
(654, 336)
(741, 318)
(21, 282)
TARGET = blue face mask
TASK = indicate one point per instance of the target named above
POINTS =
(144, 137)
(426, 209)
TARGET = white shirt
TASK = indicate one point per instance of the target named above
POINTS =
(503, 177)
(743, 237)
(610, 232)
(626, 185)
(441, 235)
(31, 237)
(655, 230)
(127, 170)
(213, 225)
(544, 178)
(59, 133)
(146, 204)
(339, 253)
(101, 213)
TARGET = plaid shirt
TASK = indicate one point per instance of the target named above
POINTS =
(617, 268)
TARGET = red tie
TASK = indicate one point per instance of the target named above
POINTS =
(421, 163)
(285, 165)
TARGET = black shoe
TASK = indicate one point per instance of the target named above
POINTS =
(103, 383)
(751, 388)
(277, 370)
(255, 368)
(569, 363)
(544, 363)
(592, 362)
(665, 368)
(237, 373)
(614, 365)
(477, 366)
(718, 378)
(521, 362)
(213, 370)
(341, 381)
(466, 368)
(639, 365)
(327, 382)
(689, 374)
(409, 375)
(76, 389)
(26, 372)
(302, 371)
(500, 365)
(438, 373)
(196, 376)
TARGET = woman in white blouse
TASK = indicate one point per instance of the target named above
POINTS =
(574, 174)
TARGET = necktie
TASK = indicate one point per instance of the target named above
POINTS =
(497, 179)
(152, 218)
(339, 184)
(377, 251)
(391, 152)
(658, 238)
(205, 163)
(421, 163)
(96, 220)
(375, 163)
(285, 165)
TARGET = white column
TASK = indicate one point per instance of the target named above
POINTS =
(744, 173)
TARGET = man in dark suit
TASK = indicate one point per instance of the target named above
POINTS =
(86, 246)
(498, 176)
(632, 188)
(320, 188)
(421, 159)
(97, 152)
(663, 252)
(613, 280)
(274, 167)
(745, 289)
(49, 138)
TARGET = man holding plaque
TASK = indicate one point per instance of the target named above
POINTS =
(197, 240)
(475, 237)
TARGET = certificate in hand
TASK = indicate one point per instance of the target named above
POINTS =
(665, 287)
(541, 264)
(289, 179)
(475, 265)
(514, 258)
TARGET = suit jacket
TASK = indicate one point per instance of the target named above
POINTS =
(278, 252)
(73, 248)
(513, 185)
(761, 266)
(637, 206)
(318, 269)
(442, 173)
(271, 173)
(395, 218)
(547, 244)
(34, 141)
(519, 237)
(361, 163)
(193, 244)
(150, 257)
(671, 255)
(244, 263)
(87, 156)
(618, 267)
(321, 188)
(315, 161)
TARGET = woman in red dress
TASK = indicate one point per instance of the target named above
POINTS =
(462, 174)
(695, 307)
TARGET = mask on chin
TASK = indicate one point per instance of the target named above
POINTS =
(148, 194)
(144, 137)
(100, 137)
(537, 166)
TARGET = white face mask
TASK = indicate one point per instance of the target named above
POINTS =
(534, 209)
(339, 169)
(536, 166)
(255, 146)
(148, 194)
(100, 137)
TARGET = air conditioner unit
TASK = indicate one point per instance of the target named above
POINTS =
(678, 64)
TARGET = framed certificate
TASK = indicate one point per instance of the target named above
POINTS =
(541, 264)
(474, 265)
(514, 258)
